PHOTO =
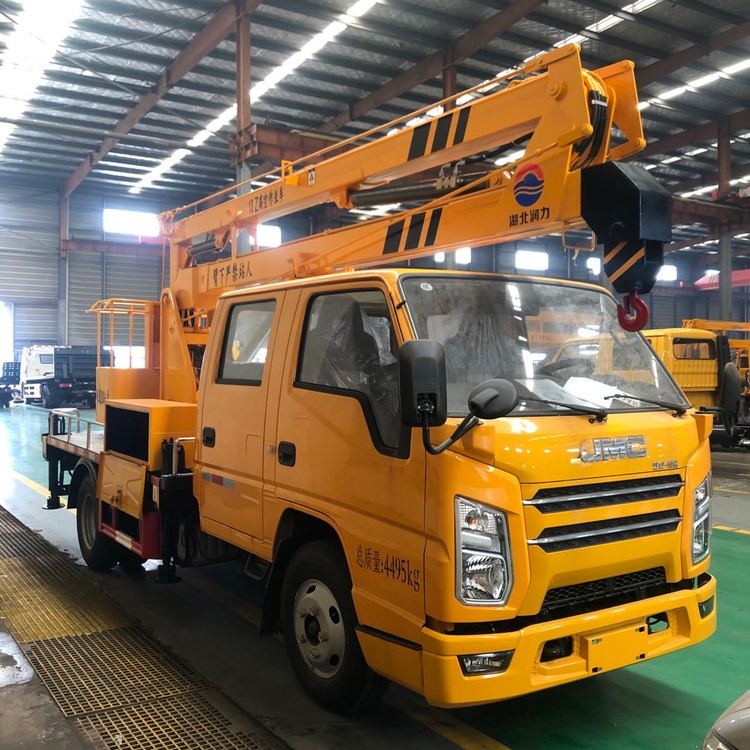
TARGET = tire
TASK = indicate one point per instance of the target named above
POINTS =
(98, 551)
(130, 562)
(47, 400)
(316, 601)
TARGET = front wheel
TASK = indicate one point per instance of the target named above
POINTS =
(98, 551)
(318, 621)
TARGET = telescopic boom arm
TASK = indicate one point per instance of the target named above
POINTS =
(565, 180)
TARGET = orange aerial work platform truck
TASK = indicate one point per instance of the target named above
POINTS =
(428, 493)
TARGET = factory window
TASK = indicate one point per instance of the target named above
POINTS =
(137, 223)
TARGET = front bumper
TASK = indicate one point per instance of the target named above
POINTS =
(602, 641)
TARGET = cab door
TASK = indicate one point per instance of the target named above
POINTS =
(342, 452)
(229, 474)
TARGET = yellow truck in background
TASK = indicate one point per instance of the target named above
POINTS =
(711, 369)
(428, 494)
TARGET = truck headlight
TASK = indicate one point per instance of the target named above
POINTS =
(484, 569)
(702, 519)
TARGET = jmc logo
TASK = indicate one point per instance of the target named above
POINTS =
(607, 449)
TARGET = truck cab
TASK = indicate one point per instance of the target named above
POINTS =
(497, 567)
(57, 375)
(707, 370)
(37, 365)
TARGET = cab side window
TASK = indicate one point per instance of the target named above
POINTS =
(349, 346)
(246, 343)
(694, 349)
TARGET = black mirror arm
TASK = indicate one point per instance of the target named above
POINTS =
(468, 422)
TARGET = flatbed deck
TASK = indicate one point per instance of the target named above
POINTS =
(82, 437)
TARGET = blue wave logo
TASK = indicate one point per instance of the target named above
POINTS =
(528, 185)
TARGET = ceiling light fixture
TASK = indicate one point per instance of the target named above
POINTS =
(278, 74)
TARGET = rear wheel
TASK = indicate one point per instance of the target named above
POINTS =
(47, 400)
(318, 621)
(99, 551)
(131, 562)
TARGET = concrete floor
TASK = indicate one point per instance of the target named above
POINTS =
(210, 618)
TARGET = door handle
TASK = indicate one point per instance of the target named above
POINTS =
(209, 437)
(287, 454)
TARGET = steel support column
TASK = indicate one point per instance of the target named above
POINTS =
(725, 276)
(243, 123)
(724, 151)
(450, 83)
(62, 265)
(243, 72)
(725, 238)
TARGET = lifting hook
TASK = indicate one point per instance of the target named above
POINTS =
(633, 313)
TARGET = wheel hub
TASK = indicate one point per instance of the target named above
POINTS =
(319, 628)
(312, 629)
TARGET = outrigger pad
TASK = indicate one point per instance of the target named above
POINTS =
(631, 214)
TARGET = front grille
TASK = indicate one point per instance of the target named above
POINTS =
(570, 608)
(577, 535)
(604, 592)
(556, 499)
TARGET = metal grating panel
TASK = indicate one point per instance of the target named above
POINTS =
(9, 524)
(42, 597)
(121, 687)
(14, 544)
(182, 723)
(104, 670)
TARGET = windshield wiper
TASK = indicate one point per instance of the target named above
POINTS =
(678, 410)
(600, 414)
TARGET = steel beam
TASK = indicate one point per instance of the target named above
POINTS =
(274, 143)
(716, 215)
(432, 65)
(706, 255)
(696, 135)
(211, 35)
(662, 68)
(674, 247)
(139, 249)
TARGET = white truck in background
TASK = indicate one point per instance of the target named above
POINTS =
(57, 375)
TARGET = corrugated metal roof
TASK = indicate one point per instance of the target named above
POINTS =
(118, 48)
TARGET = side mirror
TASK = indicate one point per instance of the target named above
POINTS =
(492, 399)
(423, 388)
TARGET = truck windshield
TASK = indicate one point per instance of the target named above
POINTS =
(554, 341)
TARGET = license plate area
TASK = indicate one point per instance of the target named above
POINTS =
(613, 649)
